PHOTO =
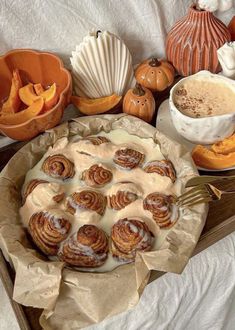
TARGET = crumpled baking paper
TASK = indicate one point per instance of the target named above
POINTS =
(72, 299)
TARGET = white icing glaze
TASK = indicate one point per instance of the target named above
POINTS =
(130, 187)
(139, 182)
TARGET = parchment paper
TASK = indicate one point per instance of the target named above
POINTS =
(72, 299)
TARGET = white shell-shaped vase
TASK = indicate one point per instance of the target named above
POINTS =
(226, 57)
(101, 66)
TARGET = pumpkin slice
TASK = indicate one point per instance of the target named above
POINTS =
(206, 158)
(27, 94)
(12, 104)
(38, 89)
(226, 146)
(50, 96)
(95, 106)
(18, 118)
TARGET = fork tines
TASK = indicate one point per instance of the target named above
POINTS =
(196, 195)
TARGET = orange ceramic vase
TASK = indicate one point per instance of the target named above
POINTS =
(192, 43)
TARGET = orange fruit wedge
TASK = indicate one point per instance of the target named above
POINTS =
(27, 94)
(12, 104)
(95, 106)
(206, 158)
(20, 117)
(226, 146)
(38, 89)
(50, 96)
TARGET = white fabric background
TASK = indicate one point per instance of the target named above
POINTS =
(203, 297)
(59, 25)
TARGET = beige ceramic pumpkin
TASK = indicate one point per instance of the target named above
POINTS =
(139, 102)
(155, 74)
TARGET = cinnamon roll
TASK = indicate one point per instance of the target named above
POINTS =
(30, 187)
(97, 176)
(121, 199)
(58, 198)
(163, 209)
(86, 200)
(128, 158)
(163, 167)
(86, 248)
(129, 236)
(58, 167)
(48, 231)
(97, 140)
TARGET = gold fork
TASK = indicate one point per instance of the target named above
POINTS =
(201, 194)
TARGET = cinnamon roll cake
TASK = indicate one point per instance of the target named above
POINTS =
(95, 202)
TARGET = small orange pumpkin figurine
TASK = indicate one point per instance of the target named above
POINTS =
(155, 74)
(139, 102)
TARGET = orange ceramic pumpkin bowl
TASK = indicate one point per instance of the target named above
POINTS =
(35, 67)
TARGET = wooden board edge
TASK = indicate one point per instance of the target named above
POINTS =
(8, 285)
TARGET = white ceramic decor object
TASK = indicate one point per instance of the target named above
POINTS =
(214, 5)
(203, 130)
(101, 66)
(226, 56)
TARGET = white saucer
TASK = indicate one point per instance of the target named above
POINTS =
(164, 124)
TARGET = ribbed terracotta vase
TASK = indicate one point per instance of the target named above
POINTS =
(192, 42)
(231, 28)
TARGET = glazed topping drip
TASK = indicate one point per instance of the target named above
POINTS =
(86, 248)
(162, 207)
(121, 199)
(97, 176)
(128, 237)
(163, 167)
(86, 200)
(97, 140)
(48, 231)
(30, 187)
(128, 158)
(59, 167)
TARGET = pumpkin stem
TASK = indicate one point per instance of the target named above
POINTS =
(154, 62)
(97, 33)
(138, 90)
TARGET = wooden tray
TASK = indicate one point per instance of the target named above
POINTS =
(220, 223)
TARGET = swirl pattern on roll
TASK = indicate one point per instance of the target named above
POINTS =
(47, 231)
(86, 200)
(162, 208)
(163, 167)
(97, 176)
(58, 167)
(86, 248)
(128, 158)
(121, 199)
(129, 236)
(97, 140)
(30, 187)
